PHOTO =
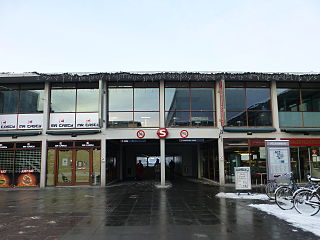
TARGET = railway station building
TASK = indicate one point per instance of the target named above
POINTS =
(93, 128)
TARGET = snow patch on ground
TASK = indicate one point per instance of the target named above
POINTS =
(254, 196)
(307, 223)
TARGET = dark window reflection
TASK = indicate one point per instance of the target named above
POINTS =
(236, 119)
(177, 99)
(259, 119)
(177, 118)
(202, 119)
(288, 99)
(202, 99)
(8, 102)
(235, 99)
(31, 101)
(258, 99)
(310, 100)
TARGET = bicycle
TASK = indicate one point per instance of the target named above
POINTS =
(272, 186)
(284, 194)
(307, 200)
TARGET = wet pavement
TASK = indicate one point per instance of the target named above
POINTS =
(136, 210)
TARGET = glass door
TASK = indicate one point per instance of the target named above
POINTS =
(315, 162)
(304, 162)
(82, 170)
(65, 167)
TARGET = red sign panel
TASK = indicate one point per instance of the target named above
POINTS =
(141, 134)
(221, 90)
(162, 132)
(304, 142)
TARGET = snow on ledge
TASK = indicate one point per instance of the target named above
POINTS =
(253, 196)
(307, 223)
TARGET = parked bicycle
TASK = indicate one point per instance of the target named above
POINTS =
(284, 194)
(272, 186)
(307, 200)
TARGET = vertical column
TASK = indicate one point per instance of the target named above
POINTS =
(46, 108)
(103, 124)
(274, 106)
(162, 140)
(199, 161)
(220, 123)
(121, 163)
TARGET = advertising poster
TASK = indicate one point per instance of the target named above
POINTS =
(30, 121)
(8, 121)
(278, 158)
(4, 179)
(87, 120)
(242, 178)
(27, 178)
(62, 120)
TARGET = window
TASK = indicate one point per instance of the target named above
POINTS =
(248, 104)
(299, 104)
(74, 105)
(24, 98)
(189, 104)
(133, 104)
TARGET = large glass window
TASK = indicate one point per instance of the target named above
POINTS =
(133, 104)
(24, 98)
(248, 104)
(298, 104)
(189, 104)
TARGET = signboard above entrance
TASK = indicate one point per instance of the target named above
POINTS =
(192, 140)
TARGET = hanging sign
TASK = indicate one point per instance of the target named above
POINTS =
(242, 178)
(278, 158)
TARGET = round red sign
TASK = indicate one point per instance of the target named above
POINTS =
(162, 132)
(184, 134)
(141, 134)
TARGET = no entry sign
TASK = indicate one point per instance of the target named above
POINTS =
(141, 134)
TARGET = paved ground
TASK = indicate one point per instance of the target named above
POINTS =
(136, 210)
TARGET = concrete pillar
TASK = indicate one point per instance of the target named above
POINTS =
(220, 99)
(103, 125)
(199, 161)
(274, 106)
(103, 162)
(45, 122)
(121, 162)
(162, 141)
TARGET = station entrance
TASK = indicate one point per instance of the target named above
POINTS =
(193, 158)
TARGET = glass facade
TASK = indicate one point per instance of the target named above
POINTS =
(133, 105)
(189, 104)
(23, 98)
(248, 104)
(298, 104)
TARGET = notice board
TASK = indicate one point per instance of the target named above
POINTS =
(242, 178)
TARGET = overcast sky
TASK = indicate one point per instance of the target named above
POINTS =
(159, 35)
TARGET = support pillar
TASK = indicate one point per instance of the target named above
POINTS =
(45, 121)
(162, 141)
(103, 162)
(199, 161)
(163, 161)
(221, 162)
(121, 163)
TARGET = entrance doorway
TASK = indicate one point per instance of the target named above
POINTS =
(305, 160)
(74, 163)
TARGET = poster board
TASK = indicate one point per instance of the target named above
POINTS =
(278, 158)
(242, 178)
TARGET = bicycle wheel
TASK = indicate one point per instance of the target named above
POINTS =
(307, 202)
(284, 198)
(270, 189)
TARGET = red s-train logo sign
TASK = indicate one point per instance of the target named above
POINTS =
(162, 132)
